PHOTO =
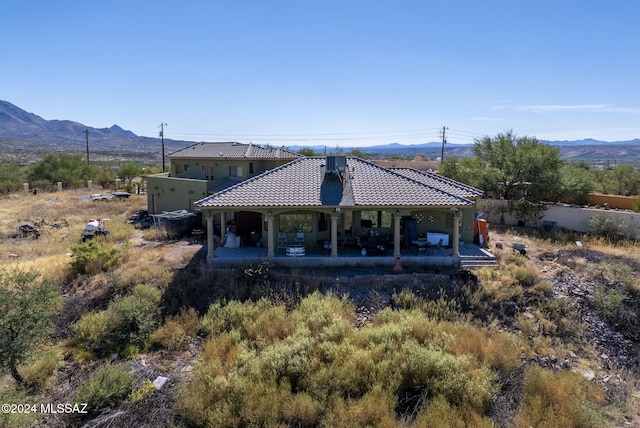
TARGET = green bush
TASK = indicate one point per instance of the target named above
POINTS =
(90, 329)
(132, 319)
(106, 387)
(42, 368)
(562, 399)
(526, 276)
(177, 331)
(607, 226)
(263, 365)
(127, 321)
(146, 389)
(91, 258)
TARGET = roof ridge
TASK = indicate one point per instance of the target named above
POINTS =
(424, 184)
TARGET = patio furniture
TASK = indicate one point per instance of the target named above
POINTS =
(295, 251)
(422, 245)
(438, 247)
(282, 239)
(300, 238)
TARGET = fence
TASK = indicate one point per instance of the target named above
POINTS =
(571, 217)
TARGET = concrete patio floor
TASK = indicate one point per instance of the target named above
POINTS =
(349, 256)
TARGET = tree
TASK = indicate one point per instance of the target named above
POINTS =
(28, 305)
(358, 153)
(67, 168)
(129, 171)
(626, 180)
(307, 151)
(11, 177)
(577, 182)
(459, 169)
(517, 166)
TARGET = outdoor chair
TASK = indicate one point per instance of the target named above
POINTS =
(438, 247)
(282, 240)
(300, 238)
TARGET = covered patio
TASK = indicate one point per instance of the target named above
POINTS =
(341, 211)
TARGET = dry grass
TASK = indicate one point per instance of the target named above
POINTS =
(49, 253)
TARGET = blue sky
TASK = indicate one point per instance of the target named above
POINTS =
(338, 73)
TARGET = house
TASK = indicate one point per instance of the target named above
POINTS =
(336, 202)
(205, 168)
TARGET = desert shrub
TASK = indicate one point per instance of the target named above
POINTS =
(563, 399)
(439, 413)
(374, 409)
(177, 330)
(607, 300)
(105, 387)
(131, 319)
(92, 258)
(234, 315)
(606, 226)
(444, 374)
(317, 312)
(90, 329)
(302, 410)
(515, 258)
(497, 350)
(143, 391)
(16, 420)
(264, 365)
(42, 368)
(442, 308)
(525, 276)
(636, 205)
(543, 288)
(127, 321)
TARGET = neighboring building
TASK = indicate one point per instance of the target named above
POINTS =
(205, 168)
(337, 200)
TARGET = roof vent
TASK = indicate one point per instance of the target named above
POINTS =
(336, 164)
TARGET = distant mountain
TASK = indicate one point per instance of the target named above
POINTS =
(25, 137)
(22, 132)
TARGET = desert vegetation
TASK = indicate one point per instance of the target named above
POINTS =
(547, 339)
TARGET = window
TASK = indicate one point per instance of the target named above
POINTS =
(186, 167)
(178, 169)
(250, 167)
(295, 222)
(376, 219)
(235, 171)
(207, 172)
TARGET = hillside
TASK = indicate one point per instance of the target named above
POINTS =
(550, 338)
(25, 137)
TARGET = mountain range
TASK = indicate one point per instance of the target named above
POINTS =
(25, 137)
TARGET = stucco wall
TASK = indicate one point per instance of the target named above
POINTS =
(575, 218)
(171, 194)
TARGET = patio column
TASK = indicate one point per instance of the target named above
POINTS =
(334, 234)
(210, 239)
(396, 234)
(270, 244)
(455, 245)
(223, 226)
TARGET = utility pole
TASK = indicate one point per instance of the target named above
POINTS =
(162, 125)
(444, 140)
(86, 133)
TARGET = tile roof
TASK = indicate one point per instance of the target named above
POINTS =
(302, 183)
(233, 150)
(435, 180)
